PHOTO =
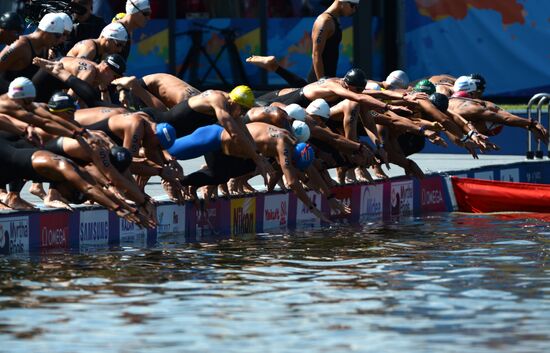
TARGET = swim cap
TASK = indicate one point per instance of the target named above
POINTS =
(242, 95)
(479, 80)
(120, 158)
(300, 131)
(67, 21)
(461, 94)
(115, 31)
(320, 108)
(295, 112)
(440, 101)
(116, 63)
(11, 21)
(303, 156)
(465, 84)
(352, 1)
(119, 16)
(166, 135)
(135, 6)
(373, 86)
(398, 79)
(52, 23)
(425, 86)
(61, 102)
(356, 78)
(21, 88)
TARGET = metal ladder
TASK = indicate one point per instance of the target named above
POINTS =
(539, 100)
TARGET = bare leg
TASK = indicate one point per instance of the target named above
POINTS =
(15, 201)
(37, 190)
(268, 63)
(54, 200)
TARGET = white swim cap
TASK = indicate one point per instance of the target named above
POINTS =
(465, 84)
(295, 112)
(52, 23)
(21, 88)
(115, 31)
(300, 130)
(320, 108)
(398, 79)
(67, 21)
(373, 86)
(135, 6)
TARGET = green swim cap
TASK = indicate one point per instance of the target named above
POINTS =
(425, 86)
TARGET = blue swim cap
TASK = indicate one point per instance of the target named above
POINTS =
(303, 156)
(166, 135)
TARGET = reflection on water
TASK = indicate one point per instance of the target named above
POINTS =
(450, 283)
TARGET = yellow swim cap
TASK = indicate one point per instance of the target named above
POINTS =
(118, 16)
(243, 95)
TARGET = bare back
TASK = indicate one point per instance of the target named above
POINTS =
(169, 89)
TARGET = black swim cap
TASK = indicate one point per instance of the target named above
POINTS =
(116, 63)
(121, 158)
(479, 80)
(356, 78)
(62, 102)
(440, 101)
(12, 21)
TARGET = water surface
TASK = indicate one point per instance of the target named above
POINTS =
(445, 283)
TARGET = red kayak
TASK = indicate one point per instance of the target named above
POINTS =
(481, 196)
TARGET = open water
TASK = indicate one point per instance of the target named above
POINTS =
(445, 283)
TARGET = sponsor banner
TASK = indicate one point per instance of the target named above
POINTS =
(206, 224)
(432, 196)
(171, 219)
(276, 211)
(14, 235)
(93, 229)
(54, 230)
(303, 216)
(131, 234)
(372, 200)
(510, 175)
(402, 198)
(243, 216)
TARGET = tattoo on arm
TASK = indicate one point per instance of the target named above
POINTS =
(319, 36)
(273, 132)
(104, 158)
(287, 160)
(6, 55)
(82, 66)
(134, 146)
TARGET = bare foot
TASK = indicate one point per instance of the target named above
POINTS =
(363, 175)
(379, 173)
(37, 189)
(15, 201)
(268, 63)
(233, 187)
(4, 206)
(54, 200)
(248, 188)
(173, 193)
(341, 175)
(350, 176)
(223, 190)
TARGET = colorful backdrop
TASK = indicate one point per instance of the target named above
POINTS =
(289, 39)
(505, 40)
